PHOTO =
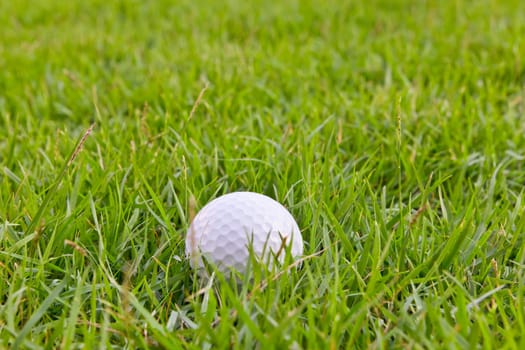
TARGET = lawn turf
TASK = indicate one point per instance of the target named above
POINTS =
(394, 132)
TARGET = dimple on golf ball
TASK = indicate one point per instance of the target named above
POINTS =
(226, 229)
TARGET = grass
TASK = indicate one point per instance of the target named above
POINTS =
(392, 130)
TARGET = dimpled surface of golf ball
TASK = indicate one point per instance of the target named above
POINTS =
(225, 230)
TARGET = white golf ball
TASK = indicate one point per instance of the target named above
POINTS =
(228, 227)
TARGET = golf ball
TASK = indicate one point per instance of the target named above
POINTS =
(226, 229)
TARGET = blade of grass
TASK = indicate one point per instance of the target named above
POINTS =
(52, 191)
(38, 314)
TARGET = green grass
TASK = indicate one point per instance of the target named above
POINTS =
(392, 130)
